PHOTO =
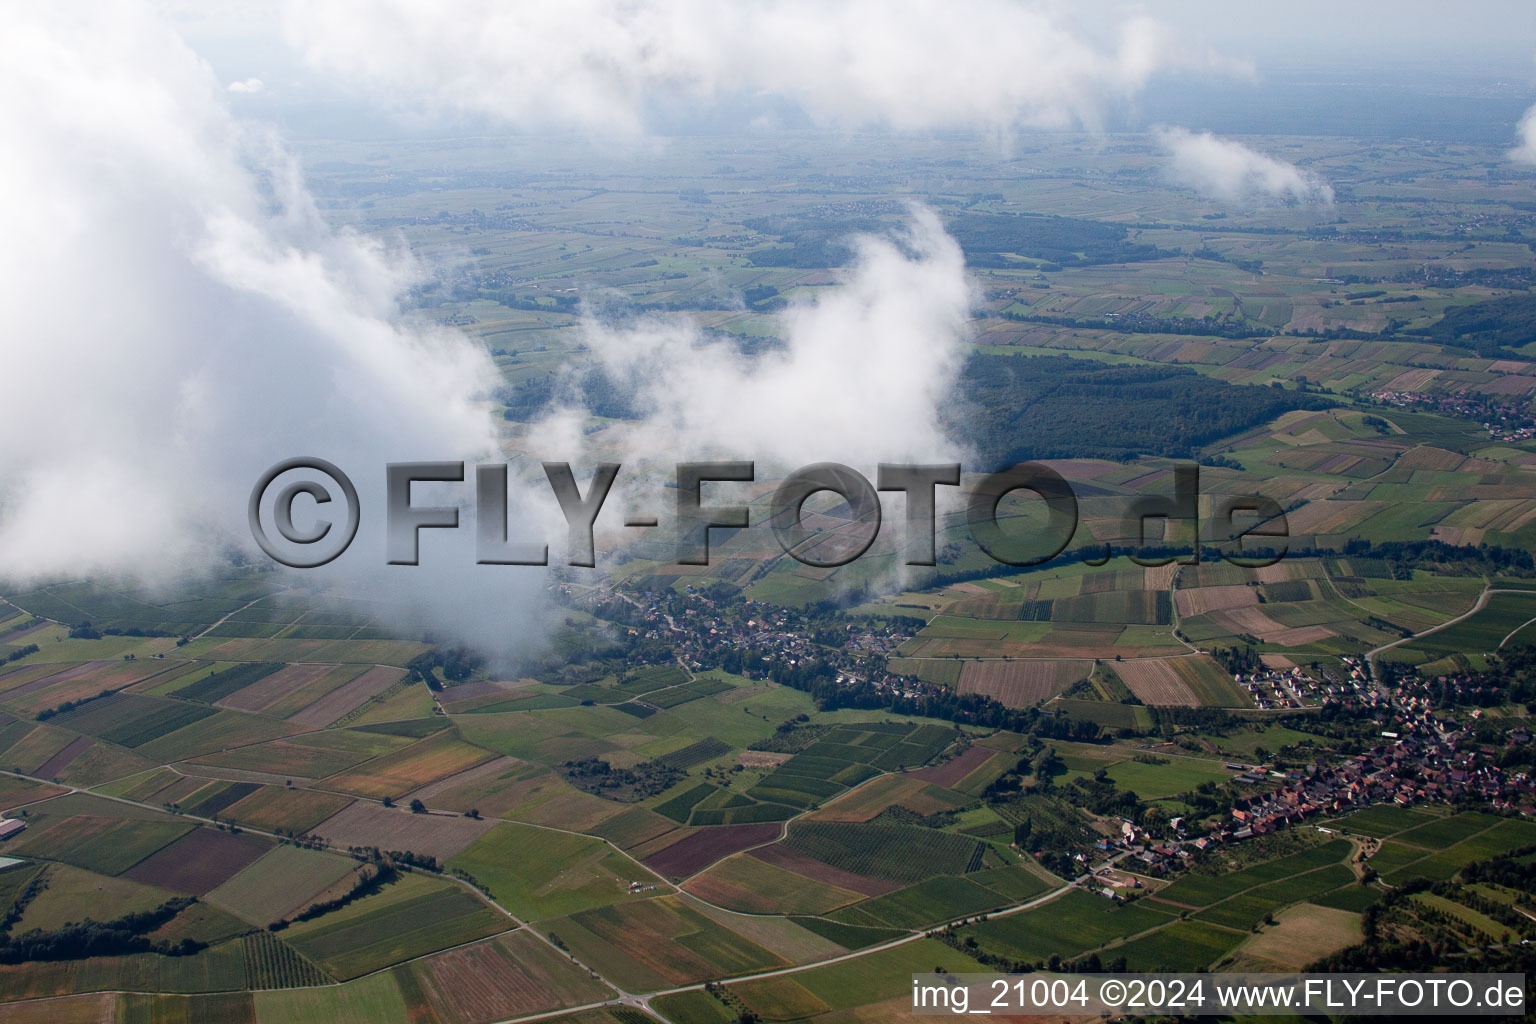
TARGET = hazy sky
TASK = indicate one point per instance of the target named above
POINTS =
(1346, 33)
(1479, 49)
(243, 38)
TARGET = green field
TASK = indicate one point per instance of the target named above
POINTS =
(537, 873)
(1482, 632)
(657, 943)
(1073, 924)
(280, 881)
(406, 918)
(894, 853)
(915, 744)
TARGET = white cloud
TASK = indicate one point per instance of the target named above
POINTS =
(595, 64)
(1233, 173)
(1525, 153)
(177, 317)
(862, 377)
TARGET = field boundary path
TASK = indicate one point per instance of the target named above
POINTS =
(518, 924)
(1477, 606)
(917, 936)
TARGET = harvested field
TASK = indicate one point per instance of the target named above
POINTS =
(410, 768)
(13, 677)
(35, 745)
(524, 791)
(1155, 682)
(866, 802)
(15, 791)
(1019, 684)
(1277, 573)
(662, 938)
(751, 886)
(211, 800)
(775, 934)
(1299, 635)
(1304, 933)
(277, 809)
(281, 883)
(265, 691)
(1327, 517)
(706, 846)
(1248, 620)
(489, 771)
(651, 847)
(511, 975)
(95, 1008)
(366, 1002)
(344, 698)
(82, 683)
(762, 758)
(61, 675)
(1214, 599)
(169, 788)
(365, 823)
(782, 856)
(955, 769)
(633, 827)
(106, 845)
(780, 999)
(483, 688)
(311, 755)
(51, 768)
(199, 861)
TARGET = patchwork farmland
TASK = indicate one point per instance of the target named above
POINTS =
(280, 801)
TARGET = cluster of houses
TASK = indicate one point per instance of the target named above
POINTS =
(1503, 422)
(1425, 759)
(697, 628)
(1424, 755)
(1355, 686)
(1276, 689)
(1420, 696)
(1417, 764)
